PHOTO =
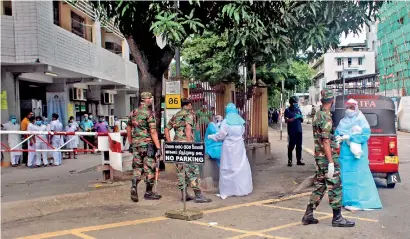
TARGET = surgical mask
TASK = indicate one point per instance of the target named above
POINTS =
(115, 119)
(218, 124)
(90, 117)
(296, 105)
(13, 121)
(38, 122)
(350, 113)
(101, 120)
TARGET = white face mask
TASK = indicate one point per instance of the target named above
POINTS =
(350, 113)
(218, 124)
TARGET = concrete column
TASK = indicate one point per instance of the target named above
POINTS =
(125, 50)
(9, 107)
(228, 97)
(122, 104)
(264, 118)
(97, 33)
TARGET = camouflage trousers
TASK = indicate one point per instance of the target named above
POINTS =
(142, 165)
(322, 182)
(191, 175)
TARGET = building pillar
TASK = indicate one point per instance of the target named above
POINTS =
(122, 104)
(125, 50)
(97, 33)
(228, 97)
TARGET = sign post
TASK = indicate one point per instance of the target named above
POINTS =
(182, 153)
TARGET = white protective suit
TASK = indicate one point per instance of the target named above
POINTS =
(31, 155)
(235, 177)
(13, 140)
(40, 144)
(73, 144)
(56, 140)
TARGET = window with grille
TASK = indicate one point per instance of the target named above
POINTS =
(77, 25)
(339, 74)
(360, 72)
(349, 61)
(349, 72)
(339, 61)
(360, 61)
(56, 12)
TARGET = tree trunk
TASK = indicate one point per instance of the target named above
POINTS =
(152, 63)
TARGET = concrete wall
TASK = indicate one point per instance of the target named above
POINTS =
(8, 51)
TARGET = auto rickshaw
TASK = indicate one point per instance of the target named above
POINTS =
(380, 113)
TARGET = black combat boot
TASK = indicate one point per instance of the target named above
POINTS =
(300, 162)
(339, 221)
(308, 217)
(134, 191)
(150, 195)
(187, 196)
(199, 198)
(290, 162)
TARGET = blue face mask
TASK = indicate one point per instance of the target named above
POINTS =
(296, 105)
(13, 121)
(38, 122)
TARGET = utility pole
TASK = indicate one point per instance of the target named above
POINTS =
(177, 55)
(281, 108)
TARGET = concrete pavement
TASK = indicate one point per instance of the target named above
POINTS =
(266, 213)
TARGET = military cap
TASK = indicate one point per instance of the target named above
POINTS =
(293, 99)
(146, 95)
(327, 94)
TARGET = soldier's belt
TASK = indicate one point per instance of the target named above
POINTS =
(143, 141)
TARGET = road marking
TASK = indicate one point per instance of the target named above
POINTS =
(290, 225)
(152, 219)
(256, 203)
(323, 213)
(246, 233)
(95, 228)
(82, 235)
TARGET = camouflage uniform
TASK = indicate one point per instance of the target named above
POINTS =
(323, 129)
(178, 122)
(141, 121)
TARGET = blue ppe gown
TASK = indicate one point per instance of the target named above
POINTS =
(359, 188)
(213, 149)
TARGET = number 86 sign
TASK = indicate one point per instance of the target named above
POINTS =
(173, 101)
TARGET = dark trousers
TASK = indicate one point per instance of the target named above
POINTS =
(295, 139)
(90, 140)
(25, 154)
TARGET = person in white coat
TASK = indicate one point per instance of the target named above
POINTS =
(13, 140)
(72, 139)
(41, 142)
(235, 176)
(31, 144)
(56, 140)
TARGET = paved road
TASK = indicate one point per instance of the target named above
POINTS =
(263, 216)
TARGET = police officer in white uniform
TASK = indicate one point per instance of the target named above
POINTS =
(13, 140)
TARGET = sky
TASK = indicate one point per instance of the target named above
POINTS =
(351, 38)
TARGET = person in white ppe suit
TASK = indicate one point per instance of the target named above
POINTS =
(41, 142)
(13, 140)
(235, 176)
(56, 140)
(31, 144)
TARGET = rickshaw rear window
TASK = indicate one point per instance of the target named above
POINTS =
(372, 119)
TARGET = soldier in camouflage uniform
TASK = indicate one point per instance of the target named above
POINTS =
(327, 174)
(143, 138)
(182, 123)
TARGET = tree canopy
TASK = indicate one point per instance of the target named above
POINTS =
(255, 30)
